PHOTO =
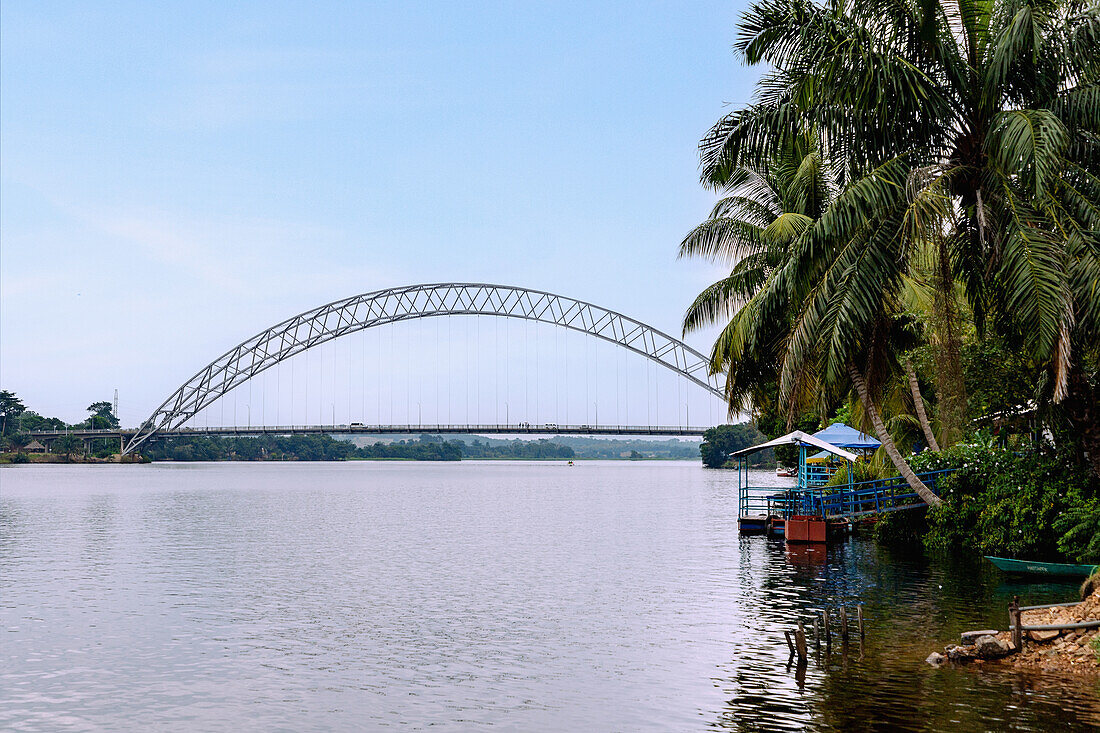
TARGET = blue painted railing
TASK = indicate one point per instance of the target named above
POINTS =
(865, 497)
(853, 500)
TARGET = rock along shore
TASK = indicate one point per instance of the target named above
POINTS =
(1074, 651)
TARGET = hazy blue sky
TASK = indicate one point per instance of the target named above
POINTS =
(177, 176)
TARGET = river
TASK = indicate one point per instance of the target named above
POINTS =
(606, 596)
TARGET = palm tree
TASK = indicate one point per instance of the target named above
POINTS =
(10, 407)
(753, 228)
(791, 239)
(797, 245)
(67, 445)
(967, 127)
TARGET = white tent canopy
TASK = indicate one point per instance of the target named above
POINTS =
(794, 439)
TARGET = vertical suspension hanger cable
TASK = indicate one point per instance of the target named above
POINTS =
(537, 381)
(393, 353)
(435, 366)
(477, 369)
(408, 375)
(362, 376)
(526, 372)
(378, 376)
(587, 394)
(450, 368)
(420, 373)
(507, 325)
(349, 361)
(466, 367)
(496, 372)
(657, 392)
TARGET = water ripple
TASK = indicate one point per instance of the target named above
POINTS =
(522, 596)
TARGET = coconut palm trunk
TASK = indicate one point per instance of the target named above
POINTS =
(888, 441)
(918, 406)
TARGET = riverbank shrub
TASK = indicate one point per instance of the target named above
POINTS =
(1012, 504)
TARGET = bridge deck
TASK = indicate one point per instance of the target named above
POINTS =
(359, 429)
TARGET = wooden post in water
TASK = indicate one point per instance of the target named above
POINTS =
(817, 634)
(828, 636)
(859, 616)
(800, 642)
(844, 625)
(790, 643)
(1014, 618)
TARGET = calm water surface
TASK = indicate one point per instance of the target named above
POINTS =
(521, 596)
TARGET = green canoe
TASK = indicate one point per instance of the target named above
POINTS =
(1030, 567)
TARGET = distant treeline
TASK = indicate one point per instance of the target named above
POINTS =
(519, 449)
(325, 448)
(612, 448)
(720, 441)
(583, 447)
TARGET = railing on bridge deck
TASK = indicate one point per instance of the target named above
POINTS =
(415, 428)
(853, 500)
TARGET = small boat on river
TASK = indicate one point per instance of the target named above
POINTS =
(1031, 567)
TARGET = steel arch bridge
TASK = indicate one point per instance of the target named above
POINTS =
(341, 317)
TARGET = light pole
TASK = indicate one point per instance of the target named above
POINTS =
(596, 408)
(419, 416)
(507, 421)
(249, 409)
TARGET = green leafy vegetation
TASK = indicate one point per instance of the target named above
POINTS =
(719, 442)
(619, 448)
(326, 448)
(1035, 504)
(11, 407)
(16, 421)
(480, 448)
(909, 211)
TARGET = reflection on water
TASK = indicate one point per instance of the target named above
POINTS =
(526, 596)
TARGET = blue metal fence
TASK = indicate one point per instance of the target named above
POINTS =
(852, 500)
(866, 497)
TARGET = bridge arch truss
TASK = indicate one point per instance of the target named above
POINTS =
(339, 318)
